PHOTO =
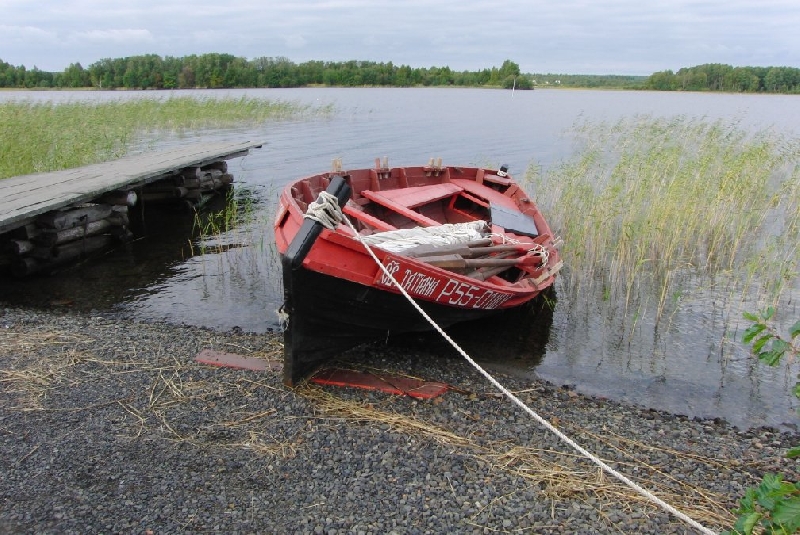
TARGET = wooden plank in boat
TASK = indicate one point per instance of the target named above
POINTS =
(400, 209)
(419, 195)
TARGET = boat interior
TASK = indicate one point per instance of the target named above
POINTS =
(408, 197)
(386, 199)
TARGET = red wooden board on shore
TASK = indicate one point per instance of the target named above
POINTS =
(232, 360)
(391, 384)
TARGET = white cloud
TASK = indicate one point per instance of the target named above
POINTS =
(126, 36)
(295, 41)
(25, 34)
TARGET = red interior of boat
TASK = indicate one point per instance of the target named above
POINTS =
(414, 196)
(386, 199)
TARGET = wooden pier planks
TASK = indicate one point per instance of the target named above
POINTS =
(24, 197)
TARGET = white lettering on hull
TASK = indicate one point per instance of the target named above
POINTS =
(464, 294)
(453, 292)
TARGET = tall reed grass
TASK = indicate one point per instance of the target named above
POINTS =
(647, 202)
(237, 237)
(220, 230)
(40, 137)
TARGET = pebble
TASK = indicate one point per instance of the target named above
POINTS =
(109, 425)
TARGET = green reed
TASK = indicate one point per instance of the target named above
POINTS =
(40, 137)
(648, 201)
(238, 213)
(242, 225)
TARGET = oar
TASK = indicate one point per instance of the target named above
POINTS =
(453, 248)
(455, 261)
(465, 250)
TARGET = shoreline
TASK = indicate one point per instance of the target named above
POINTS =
(109, 424)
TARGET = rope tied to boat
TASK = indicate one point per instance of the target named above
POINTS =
(325, 210)
(541, 251)
(542, 421)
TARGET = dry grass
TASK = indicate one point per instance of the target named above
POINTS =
(560, 475)
(331, 407)
(35, 363)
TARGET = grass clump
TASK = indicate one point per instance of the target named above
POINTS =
(649, 201)
(40, 137)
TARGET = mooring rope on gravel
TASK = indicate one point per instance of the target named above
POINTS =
(547, 425)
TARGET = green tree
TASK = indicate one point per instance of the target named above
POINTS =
(662, 81)
(76, 76)
(509, 68)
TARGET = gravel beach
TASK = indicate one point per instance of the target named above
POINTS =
(110, 425)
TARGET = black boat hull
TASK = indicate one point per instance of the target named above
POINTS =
(328, 315)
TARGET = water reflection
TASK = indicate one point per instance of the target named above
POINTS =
(514, 341)
(228, 274)
(691, 359)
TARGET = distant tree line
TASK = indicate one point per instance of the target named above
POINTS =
(588, 80)
(226, 71)
(720, 77)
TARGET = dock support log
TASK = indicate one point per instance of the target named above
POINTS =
(190, 184)
(59, 237)
(119, 198)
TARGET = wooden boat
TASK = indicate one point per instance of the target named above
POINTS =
(463, 242)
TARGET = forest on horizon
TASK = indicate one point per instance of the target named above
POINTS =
(227, 71)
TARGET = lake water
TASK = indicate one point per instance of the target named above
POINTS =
(691, 365)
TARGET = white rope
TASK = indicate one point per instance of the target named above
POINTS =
(325, 210)
(542, 251)
(400, 240)
(596, 460)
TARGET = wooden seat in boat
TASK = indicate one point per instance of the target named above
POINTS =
(403, 200)
(415, 196)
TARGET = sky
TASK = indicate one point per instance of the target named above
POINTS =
(626, 37)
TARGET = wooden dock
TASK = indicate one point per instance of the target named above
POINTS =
(48, 220)
(22, 198)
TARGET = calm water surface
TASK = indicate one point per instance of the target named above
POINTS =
(690, 364)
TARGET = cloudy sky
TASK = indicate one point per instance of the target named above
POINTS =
(568, 36)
